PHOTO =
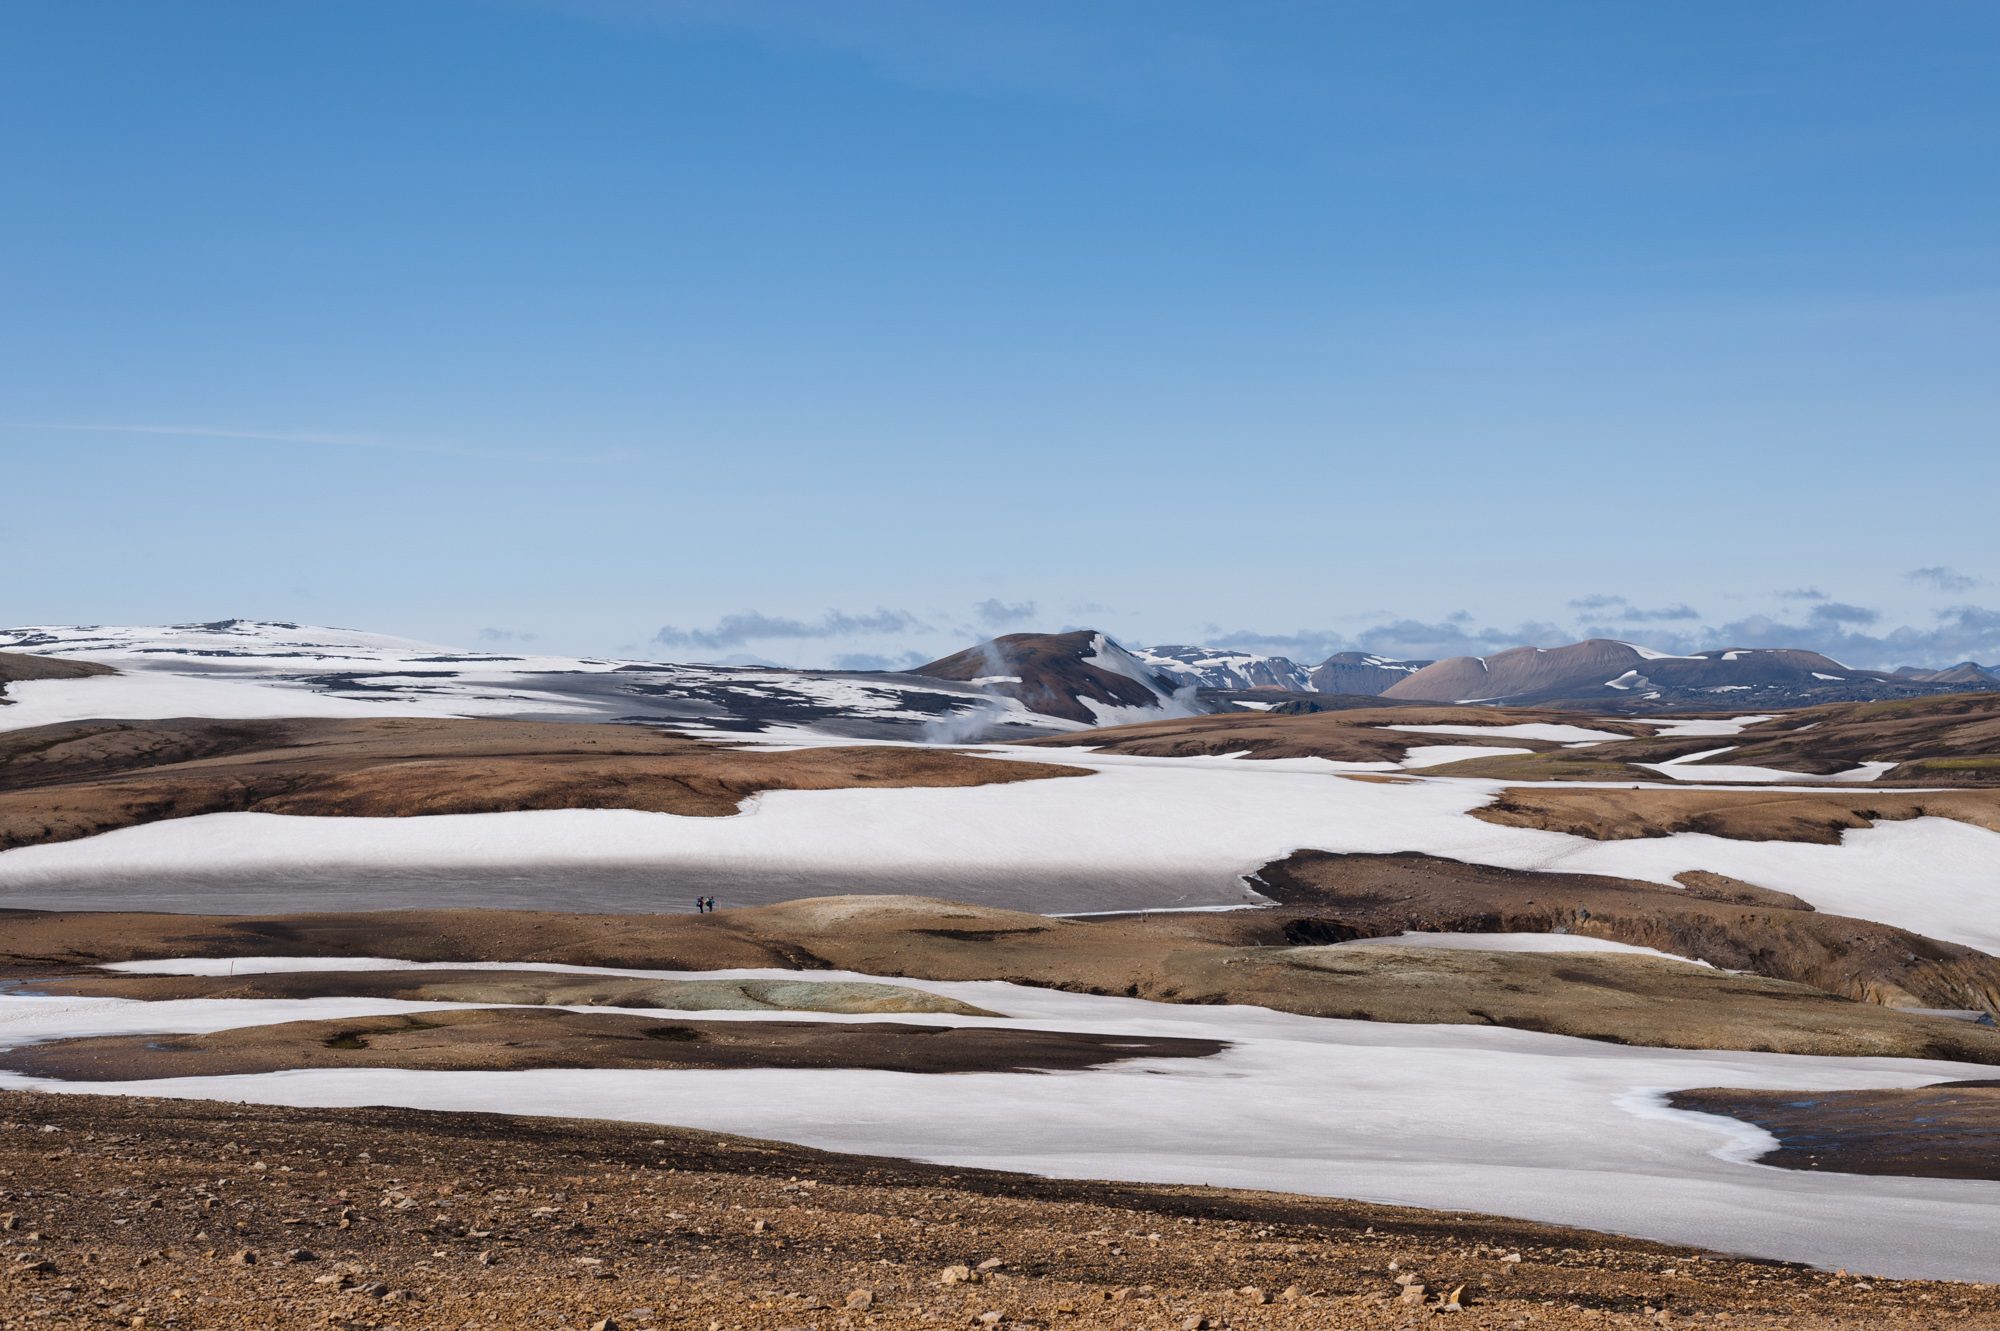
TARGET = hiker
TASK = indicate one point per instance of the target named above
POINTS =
(701, 905)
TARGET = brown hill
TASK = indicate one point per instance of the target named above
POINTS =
(1949, 739)
(17, 666)
(1520, 672)
(1349, 734)
(1360, 672)
(1969, 673)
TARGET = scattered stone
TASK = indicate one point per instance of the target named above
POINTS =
(860, 1300)
(956, 1275)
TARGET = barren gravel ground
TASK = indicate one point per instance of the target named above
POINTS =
(163, 1213)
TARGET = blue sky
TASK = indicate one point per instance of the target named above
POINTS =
(843, 329)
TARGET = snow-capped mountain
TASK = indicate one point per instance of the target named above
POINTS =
(247, 668)
(1218, 668)
(1081, 677)
(1016, 686)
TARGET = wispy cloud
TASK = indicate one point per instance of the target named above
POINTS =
(1942, 578)
(877, 661)
(1838, 612)
(309, 439)
(1620, 610)
(1406, 638)
(1961, 633)
(755, 626)
(995, 613)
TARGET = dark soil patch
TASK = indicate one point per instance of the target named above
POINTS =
(1950, 1130)
(514, 1038)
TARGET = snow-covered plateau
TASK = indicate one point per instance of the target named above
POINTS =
(242, 669)
(1141, 829)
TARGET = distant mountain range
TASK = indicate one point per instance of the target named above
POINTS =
(1600, 673)
(1968, 673)
(1017, 686)
(1211, 668)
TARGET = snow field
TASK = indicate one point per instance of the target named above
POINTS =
(1562, 1130)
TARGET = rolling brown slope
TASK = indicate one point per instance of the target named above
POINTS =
(1811, 967)
(1356, 734)
(18, 666)
(1519, 672)
(77, 779)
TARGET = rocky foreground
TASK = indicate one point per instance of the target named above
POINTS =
(165, 1213)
